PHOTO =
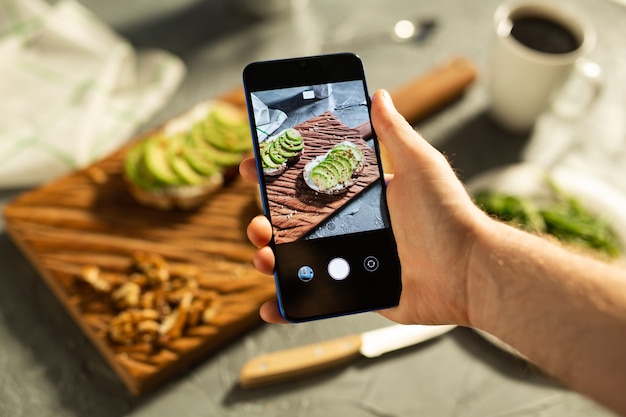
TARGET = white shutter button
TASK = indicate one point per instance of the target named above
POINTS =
(338, 269)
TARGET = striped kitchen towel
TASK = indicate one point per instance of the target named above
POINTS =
(71, 90)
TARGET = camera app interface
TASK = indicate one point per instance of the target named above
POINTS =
(319, 162)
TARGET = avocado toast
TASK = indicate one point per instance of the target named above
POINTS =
(181, 165)
(281, 151)
(334, 172)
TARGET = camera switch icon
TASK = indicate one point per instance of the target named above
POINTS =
(371, 263)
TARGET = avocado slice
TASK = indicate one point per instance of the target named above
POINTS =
(180, 165)
(204, 150)
(332, 169)
(227, 130)
(293, 135)
(135, 168)
(226, 115)
(343, 167)
(157, 163)
(346, 156)
(274, 154)
(283, 151)
(347, 166)
(322, 178)
(131, 164)
(265, 156)
(199, 158)
(290, 146)
(352, 153)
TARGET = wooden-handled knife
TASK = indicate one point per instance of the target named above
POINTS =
(305, 360)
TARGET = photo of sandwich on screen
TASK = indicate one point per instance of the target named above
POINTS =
(319, 162)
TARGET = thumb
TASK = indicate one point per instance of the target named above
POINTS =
(402, 142)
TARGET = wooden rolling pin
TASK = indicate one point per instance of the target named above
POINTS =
(429, 92)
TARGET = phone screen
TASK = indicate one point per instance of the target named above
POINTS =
(322, 186)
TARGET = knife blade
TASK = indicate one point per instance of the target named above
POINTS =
(293, 363)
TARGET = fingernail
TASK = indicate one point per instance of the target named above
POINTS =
(384, 95)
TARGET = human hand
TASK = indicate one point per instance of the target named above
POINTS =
(260, 233)
(433, 218)
(434, 222)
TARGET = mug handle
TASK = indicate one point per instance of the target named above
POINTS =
(581, 91)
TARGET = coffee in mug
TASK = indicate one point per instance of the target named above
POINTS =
(537, 47)
(543, 35)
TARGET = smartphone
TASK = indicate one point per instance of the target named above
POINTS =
(322, 186)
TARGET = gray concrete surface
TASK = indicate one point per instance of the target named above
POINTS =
(47, 366)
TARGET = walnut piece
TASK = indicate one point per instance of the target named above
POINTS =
(126, 295)
(134, 325)
(91, 275)
(152, 266)
(174, 324)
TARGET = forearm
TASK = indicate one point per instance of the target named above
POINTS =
(566, 313)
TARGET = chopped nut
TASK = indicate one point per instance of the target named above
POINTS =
(147, 300)
(148, 326)
(174, 324)
(148, 314)
(168, 322)
(156, 302)
(160, 302)
(139, 279)
(91, 275)
(134, 324)
(157, 275)
(153, 266)
(195, 312)
(179, 286)
(148, 330)
(127, 295)
(122, 329)
(210, 312)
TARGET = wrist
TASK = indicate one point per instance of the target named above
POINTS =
(491, 260)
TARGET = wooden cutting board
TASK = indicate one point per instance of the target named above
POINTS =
(89, 217)
(296, 209)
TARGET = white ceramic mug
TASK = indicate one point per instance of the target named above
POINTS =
(524, 80)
